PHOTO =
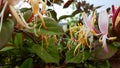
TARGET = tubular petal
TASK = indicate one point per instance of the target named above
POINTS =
(104, 43)
(42, 20)
(103, 22)
(18, 19)
(76, 48)
(35, 6)
(88, 20)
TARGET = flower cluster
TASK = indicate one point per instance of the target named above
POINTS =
(16, 13)
(88, 27)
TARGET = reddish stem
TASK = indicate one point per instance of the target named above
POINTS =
(1, 3)
(30, 18)
(96, 31)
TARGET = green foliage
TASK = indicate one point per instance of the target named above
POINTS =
(6, 31)
(52, 27)
(116, 44)
(27, 63)
(78, 58)
(52, 14)
(44, 53)
(48, 47)
(7, 48)
(99, 52)
(18, 41)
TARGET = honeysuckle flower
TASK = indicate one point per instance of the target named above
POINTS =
(103, 22)
(115, 16)
(19, 19)
(35, 9)
(80, 34)
(89, 22)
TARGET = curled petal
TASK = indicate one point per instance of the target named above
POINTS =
(35, 6)
(104, 38)
(103, 22)
(88, 20)
(42, 20)
(76, 48)
(17, 17)
(13, 2)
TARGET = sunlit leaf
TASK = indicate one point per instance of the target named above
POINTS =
(7, 48)
(52, 25)
(24, 9)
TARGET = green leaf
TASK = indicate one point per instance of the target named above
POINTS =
(7, 48)
(27, 63)
(27, 14)
(51, 31)
(99, 52)
(24, 9)
(49, 55)
(53, 13)
(80, 57)
(116, 44)
(18, 40)
(53, 28)
(6, 31)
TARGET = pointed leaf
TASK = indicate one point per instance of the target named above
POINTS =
(18, 40)
(53, 28)
(7, 48)
(53, 13)
(70, 58)
(6, 32)
(47, 55)
(27, 63)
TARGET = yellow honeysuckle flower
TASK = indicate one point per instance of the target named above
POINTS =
(35, 9)
(19, 19)
(35, 6)
(79, 34)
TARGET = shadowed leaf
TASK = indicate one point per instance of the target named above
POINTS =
(6, 32)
